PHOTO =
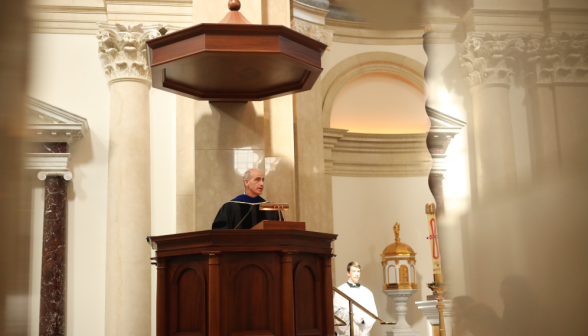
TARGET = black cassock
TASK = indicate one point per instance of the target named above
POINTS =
(242, 209)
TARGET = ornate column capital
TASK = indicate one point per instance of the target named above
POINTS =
(557, 58)
(488, 59)
(313, 31)
(123, 51)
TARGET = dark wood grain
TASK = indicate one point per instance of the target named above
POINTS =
(288, 319)
(235, 62)
(161, 299)
(246, 281)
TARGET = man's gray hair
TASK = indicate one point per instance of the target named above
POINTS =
(247, 175)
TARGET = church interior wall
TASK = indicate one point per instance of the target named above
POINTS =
(66, 72)
(364, 211)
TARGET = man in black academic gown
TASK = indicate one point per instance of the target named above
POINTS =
(243, 211)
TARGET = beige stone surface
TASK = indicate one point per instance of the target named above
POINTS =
(571, 101)
(228, 139)
(128, 281)
(228, 125)
(313, 195)
(494, 149)
(185, 164)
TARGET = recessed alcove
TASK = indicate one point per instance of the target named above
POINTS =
(380, 103)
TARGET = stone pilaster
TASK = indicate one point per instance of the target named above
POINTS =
(488, 61)
(556, 68)
(122, 51)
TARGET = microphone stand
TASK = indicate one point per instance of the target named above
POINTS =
(235, 228)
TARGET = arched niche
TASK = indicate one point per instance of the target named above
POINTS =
(380, 103)
(394, 65)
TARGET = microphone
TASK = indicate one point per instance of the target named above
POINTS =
(244, 217)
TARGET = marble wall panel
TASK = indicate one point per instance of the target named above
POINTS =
(185, 162)
(228, 125)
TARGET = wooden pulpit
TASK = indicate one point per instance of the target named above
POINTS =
(244, 283)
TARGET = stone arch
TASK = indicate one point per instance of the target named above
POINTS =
(401, 67)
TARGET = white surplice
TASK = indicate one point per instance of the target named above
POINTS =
(362, 296)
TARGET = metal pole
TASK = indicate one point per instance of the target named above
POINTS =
(350, 318)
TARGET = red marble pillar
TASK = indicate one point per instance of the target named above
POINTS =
(53, 267)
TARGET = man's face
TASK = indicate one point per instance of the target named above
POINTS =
(354, 274)
(254, 186)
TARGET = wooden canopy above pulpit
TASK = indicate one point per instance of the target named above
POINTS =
(244, 282)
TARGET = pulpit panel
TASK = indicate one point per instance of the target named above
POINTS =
(187, 302)
(253, 292)
(307, 296)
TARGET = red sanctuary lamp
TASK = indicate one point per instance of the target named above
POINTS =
(234, 60)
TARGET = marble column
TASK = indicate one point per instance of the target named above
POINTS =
(53, 262)
(122, 51)
(488, 64)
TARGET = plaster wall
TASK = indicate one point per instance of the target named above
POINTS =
(364, 212)
(66, 72)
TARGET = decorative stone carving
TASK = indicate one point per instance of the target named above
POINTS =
(489, 58)
(66, 174)
(313, 31)
(50, 124)
(122, 50)
(557, 58)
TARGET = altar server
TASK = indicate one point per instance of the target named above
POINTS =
(362, 322)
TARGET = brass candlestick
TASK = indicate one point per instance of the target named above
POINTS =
(438, 287)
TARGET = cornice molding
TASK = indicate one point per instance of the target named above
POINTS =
(309, 9)
(47, 123)
(443, 129)
(49, 164)
(375, 155)
(123, 50)
(313, 31)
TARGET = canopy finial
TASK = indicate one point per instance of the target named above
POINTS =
(234, 5)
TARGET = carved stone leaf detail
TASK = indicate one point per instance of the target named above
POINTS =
(557, 58)
(123, 50)
(486, 58)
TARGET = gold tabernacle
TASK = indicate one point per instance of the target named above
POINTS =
(274, 206)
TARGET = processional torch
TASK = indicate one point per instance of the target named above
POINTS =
(437, 285)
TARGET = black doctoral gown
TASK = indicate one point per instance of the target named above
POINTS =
(245, 210)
